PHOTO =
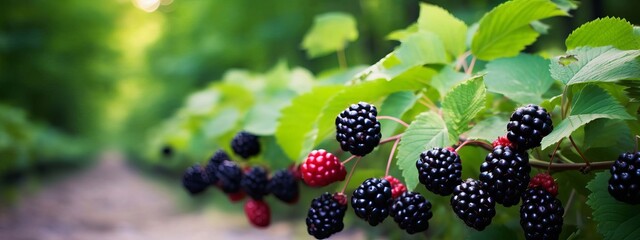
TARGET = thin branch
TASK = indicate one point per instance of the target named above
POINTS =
(394, 119)
(569, 202)
(390, 139)
(349, 159)
(555, 150)
(462, 61)
(482, 144)
(353, 168)
(578, 150)
(393, 150)
(471, 65)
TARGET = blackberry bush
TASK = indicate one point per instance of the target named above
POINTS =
(370, 201)
(624, 184)
(505, 175)
(473, 204)
(440, 170)
(358, 129)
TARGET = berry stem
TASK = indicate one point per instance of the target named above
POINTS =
(553, 155)
(471, 65)
(390, 139)
(394, 119)
(462, 61)
(569, 202)
(573, 143)
(353, 168)
(475, 143)
(393, 150)
(349, 159)
(430, 104)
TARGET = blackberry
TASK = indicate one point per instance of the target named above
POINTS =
(212, 167)
(194, 179)
(325, 215)
(505, 174)
(254, 183)
(370, 201)
(229, 177)
(440, 170)
(358, 129)
(245, 144)
(284, 186)
(219, 157)
(473, 204)
(412, 212)
(624, 184)
(528, 125)
(541, 215)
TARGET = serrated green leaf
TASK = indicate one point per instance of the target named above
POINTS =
(589, 104)
(523, 78)
(601, 32)
(601, 64)
(395, 105)
(616, 220)
(330, 32)
(446, 79)
(506, 29)
(262, 118)
(489, 129)
(401, 34)
(296, 130)
(421, 48)
(610, 133)
(428, 130)
(462, 104)
(452, 31)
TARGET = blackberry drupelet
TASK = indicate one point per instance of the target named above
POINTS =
(326, 215)
(254, 183)
(411, 211)
(440, 170)
(370, 201)
(505, 174)
(245, 144)
(284, 186)
(624, 184)
(528, 125)
(541, 215)
(473, 204)
(229, 177)
(194, 179)
(358, 129)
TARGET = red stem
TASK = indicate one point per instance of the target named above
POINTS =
(353, 168)
(394, 119)
(348, 159)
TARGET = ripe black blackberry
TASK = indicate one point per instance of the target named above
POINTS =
(254, 183)
(528, 125)
(371, 200)
(505, 174)
(229, 177)
(541, 214)
(194, 179)
(212, 166)
(219, 157)
(284, 186)
(473, 204)
(440, 170)
(624, 184)
(412, 212)
(325, 215)
(245, 144)
(358, 129)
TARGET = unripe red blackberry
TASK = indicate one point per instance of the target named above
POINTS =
(322, 168)
(541, 215)
(325, 216)
(370, 201)
(473, 204)
(624, 184)
(358, 129)
(505, 174)
(411, 211)
(440, 170)
(258, 213)
(528, 125)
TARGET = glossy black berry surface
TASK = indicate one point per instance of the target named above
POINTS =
(440, 170)
(358, 129)
(528, 125)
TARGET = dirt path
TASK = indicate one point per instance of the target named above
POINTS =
(112, 201)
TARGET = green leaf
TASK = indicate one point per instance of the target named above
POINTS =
(602, 64)
(262, 118)
(369, 91)
(610, 133)
(296, 130)
(223, 122)
(446, 79)
(566, 5)
(523, 78)
(616, 220)
(601, 32)
(589, 104)
(506, 30)
(401, 34)
(489, 129)
(330, 32)
(452, 31)
(462, 104)
(396, 105)
(427, 131)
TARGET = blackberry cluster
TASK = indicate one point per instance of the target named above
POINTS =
(371, 200)
(624, 184)
(229, 177)
(325, 215)
(284, 186)
(528, 125)
(358, 129)
(245, 144)
(254, 183)
(411, 211)
(440, 170)
(505, 174)
(473, 204)
(541, 215)
(195, 180)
